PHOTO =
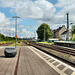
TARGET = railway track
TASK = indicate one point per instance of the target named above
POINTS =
(44, 47)
(56, 48)
(2, 44)
(49, 47)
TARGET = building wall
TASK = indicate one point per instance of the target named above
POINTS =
(64, 36)
(57, 34)
(62, 30)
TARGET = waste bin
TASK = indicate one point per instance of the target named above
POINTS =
(10, 52)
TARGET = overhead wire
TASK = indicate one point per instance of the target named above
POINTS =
(67, 6)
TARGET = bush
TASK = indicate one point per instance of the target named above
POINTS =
(73, 39)
(49, 41)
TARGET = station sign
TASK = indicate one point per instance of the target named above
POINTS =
(4, 42)
(27, 43)
(15, 36)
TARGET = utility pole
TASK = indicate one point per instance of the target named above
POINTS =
(67, 27)
(9, 33)
(44, 33)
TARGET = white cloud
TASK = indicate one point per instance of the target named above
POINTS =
(7, 4)
(64, 3)
(4, 21)
(21, 26)
(13, 21)
(36, 10)
(2, 17)
(5, 24)
(69, 9)
(42, 10)
(25, 33)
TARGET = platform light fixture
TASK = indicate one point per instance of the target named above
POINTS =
(16, 30)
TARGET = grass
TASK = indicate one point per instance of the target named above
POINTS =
(73, 37)
(6, 41)
(46, 42)
(18, 44)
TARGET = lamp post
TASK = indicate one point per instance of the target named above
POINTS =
(16, 30)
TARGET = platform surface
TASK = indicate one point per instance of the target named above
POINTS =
(7, 65)
(29, 64)
(31, 61)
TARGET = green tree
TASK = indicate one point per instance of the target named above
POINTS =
(2, 37)
(48, 32)
(73, 33)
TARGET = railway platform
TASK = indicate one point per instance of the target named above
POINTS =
(31, 61)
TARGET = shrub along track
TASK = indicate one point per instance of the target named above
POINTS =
(49, 48)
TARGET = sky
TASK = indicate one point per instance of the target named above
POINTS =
(32, 14)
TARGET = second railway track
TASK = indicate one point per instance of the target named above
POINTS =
(56, 48)
(51, 50)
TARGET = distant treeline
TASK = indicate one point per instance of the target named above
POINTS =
(6, 38)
